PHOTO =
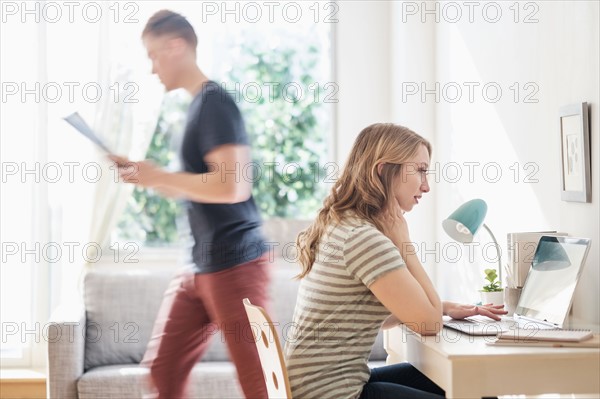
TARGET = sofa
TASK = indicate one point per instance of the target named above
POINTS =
(95, 347)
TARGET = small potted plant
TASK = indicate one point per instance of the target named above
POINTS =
(492, 292)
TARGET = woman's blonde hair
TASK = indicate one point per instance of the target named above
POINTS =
(360, 188)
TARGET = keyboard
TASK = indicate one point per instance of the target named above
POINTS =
(480, 325)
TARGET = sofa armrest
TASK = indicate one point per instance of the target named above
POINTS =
(66, 351)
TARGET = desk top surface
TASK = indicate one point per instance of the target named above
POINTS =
(455, 344)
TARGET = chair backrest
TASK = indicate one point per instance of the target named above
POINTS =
(269, 351)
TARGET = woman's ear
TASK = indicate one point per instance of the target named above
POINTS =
(380, 168)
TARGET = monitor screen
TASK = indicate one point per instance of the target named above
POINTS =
(548, 290)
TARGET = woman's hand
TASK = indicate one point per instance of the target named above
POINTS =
(395, 226)
(460, 311)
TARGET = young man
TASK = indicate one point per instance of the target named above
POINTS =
(229, 261)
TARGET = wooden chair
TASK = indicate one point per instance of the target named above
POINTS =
(269, 351)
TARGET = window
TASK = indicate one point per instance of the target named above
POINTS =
(279, 75)
(148, 217)
(285, 96)
(22, 197)
(279, 67)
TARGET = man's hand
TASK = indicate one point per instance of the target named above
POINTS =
(460, 311)
(144, 173)
(221, 185)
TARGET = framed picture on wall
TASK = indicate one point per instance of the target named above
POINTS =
(575, 153)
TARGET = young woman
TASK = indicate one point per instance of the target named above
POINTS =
(358, 266)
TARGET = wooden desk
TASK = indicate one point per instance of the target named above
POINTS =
(465, 367)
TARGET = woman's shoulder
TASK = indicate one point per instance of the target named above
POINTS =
(355, 226)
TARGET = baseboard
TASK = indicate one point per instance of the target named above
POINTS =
(22, 384)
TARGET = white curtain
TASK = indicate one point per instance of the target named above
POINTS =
(128, 127)
(125, 117)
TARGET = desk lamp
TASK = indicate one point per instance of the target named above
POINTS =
(550, 256)
(464, 222)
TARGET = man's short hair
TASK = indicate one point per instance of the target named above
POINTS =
(169, 23)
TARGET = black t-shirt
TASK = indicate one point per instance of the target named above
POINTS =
(225, 235)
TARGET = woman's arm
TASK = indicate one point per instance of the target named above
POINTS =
(408, 292)
(457, 311)
(402, 294)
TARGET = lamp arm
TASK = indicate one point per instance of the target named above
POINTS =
(499, 253)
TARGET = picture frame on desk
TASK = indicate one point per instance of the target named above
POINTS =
(575, 178)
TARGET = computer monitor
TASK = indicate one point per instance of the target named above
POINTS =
(555, 270)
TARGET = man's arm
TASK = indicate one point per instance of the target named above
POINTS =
(223, 184)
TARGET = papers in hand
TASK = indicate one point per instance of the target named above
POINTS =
(82, 127)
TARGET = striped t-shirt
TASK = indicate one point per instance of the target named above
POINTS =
(337, 317)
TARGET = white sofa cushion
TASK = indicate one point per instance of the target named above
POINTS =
(121, 307)
(120, 310)
(130, 381)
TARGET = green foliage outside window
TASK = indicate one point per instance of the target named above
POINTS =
(149, 217)
(285, 112)
(288, 131)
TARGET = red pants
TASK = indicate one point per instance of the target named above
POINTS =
(194, 308)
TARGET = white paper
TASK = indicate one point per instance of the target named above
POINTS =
(82, 127)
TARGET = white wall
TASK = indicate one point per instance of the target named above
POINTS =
(369, 73)
(555, 60)
(546, 52)
(361, 70)
(413, 60)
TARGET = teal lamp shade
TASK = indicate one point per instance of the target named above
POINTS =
(464, 222)
(550, 255)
